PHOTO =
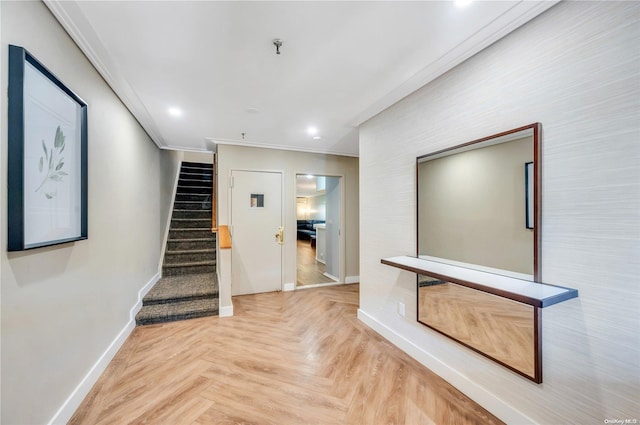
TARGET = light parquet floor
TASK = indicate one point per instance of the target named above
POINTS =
(310, 271)
(298, 357)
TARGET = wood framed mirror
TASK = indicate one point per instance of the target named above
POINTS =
(479, 208)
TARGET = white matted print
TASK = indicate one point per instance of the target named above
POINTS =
(51, 161)
(47, 157)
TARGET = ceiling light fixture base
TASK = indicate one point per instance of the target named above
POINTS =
(278, 43)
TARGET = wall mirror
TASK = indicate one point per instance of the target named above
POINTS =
(479, 203)
(479, 208)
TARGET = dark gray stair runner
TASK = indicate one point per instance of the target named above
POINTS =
(188, 287)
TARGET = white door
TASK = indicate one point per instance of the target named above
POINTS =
(256, 223)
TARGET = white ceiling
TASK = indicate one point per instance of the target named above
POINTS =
(307, 186)
(341, 62)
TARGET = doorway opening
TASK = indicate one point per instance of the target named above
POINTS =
(318, 230)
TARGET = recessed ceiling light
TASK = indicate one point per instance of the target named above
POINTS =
(317, 137)
(312, 131)
(175, 112)
(463, 3)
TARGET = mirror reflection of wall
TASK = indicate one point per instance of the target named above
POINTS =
(472, 205)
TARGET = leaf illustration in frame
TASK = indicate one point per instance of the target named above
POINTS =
(59, 139)
(40, 105)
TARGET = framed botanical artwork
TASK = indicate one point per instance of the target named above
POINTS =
(47, 157)
(528, 178)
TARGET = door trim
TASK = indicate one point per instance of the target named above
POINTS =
(342, 241)
(282, 214)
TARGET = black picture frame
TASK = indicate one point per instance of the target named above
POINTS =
(529, 195)
(47, 157)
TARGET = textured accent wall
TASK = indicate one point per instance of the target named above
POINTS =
(575, 69)
(63, 306)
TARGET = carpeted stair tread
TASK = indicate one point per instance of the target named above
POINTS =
(182, 288)
(191, 233)
(193, 205)
(187, 270)
(189, 188)
(191, 213)
(186, 222)
(190, 251)
(183, 310)
(191, 264)
(191, 239)
(189, 286)
(190, 202)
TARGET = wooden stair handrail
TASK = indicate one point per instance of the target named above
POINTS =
(214, 196)
(224, 237)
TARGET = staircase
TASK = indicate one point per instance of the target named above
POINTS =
(188, 287)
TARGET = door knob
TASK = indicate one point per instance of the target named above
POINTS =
(280, 235)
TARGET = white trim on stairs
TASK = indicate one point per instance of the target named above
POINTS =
(170, 215)
(225, 311)
(68, 408)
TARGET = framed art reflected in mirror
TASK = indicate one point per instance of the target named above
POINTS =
(476, 206)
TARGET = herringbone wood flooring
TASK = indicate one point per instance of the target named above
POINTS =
(285, 358)
(501, 328)
(310, 271)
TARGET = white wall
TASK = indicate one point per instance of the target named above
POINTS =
(317, 207)
(201, 157)
(63, 306)
(290, 163)
(332, 247)
(575, 69)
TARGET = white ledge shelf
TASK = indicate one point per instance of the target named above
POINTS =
(525, 291)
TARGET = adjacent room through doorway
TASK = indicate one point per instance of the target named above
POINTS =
(318, 230)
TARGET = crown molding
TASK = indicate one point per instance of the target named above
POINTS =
(74, 22)
(280, 147)
(516, 16)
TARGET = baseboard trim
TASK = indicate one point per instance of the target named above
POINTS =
(289, 287)
(71, 404)
(471, 389)
(330, 276)
(352, 279)
(226, 311)
(319, 285)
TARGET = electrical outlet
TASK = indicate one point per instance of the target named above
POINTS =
(401, 308)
